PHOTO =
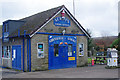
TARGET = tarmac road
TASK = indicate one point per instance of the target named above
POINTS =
(96, 71)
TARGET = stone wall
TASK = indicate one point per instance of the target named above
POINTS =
(82, 60)
(39, 63)
(7, 62)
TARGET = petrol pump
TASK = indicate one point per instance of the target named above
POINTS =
(112, 57)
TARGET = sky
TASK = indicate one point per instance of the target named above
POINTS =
(100, 16)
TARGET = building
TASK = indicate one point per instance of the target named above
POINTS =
(52, 39)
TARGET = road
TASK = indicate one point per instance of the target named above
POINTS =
(97, 71)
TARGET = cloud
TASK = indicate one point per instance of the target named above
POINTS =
(97, 15)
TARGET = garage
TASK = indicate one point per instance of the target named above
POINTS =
(52, 39)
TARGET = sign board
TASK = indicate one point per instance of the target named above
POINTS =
(5, 37)
(71, 58)
(63, 22)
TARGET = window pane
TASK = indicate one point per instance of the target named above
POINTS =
(81, 47)
(81, 52)
(56, 50)
(69, 49)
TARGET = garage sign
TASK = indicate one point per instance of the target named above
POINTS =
(63, 22)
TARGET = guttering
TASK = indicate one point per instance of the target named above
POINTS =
(27, 53)
(60, 34)
(27, 35)
(30, 54)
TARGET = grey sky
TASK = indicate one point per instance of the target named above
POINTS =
(100, 16)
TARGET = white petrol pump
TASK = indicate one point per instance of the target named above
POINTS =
(112, 57)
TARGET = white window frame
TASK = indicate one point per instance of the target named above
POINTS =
(79, 49)
(43, 50)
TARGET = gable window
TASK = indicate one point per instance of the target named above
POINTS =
(6, 51)
(81, 49)
(40, 50)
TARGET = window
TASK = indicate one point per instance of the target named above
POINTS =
(6, 51)
(56, 50)
(5, 28)
(69, 49)
(40, 49)
(81, 50)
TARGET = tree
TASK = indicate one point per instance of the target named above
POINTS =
(90, 42)
(119, 41)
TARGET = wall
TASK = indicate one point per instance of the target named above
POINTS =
(7, 62)
(72, 29)
(39, 63)
(82, 60)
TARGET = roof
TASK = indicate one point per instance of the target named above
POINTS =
(35, 22)
(0, 31)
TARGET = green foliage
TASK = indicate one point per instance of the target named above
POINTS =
(90, 40)
(97, 48)
(90, 44)
(114, 43)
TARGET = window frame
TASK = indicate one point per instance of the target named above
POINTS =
(5, 55)
(79, 49)
(71, 49)
(58, 50)
(43, 50)
(6, 27)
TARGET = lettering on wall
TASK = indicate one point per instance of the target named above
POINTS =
(61, 38)
(63, 22)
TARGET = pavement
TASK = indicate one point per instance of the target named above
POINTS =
(96, 71)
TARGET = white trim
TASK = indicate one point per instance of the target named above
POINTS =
(54, 16)
(47, 22)
(43, 50)
(5, 58)
(79, 49)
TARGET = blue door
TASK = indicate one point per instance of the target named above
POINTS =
(16, 57)
(62, 52)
